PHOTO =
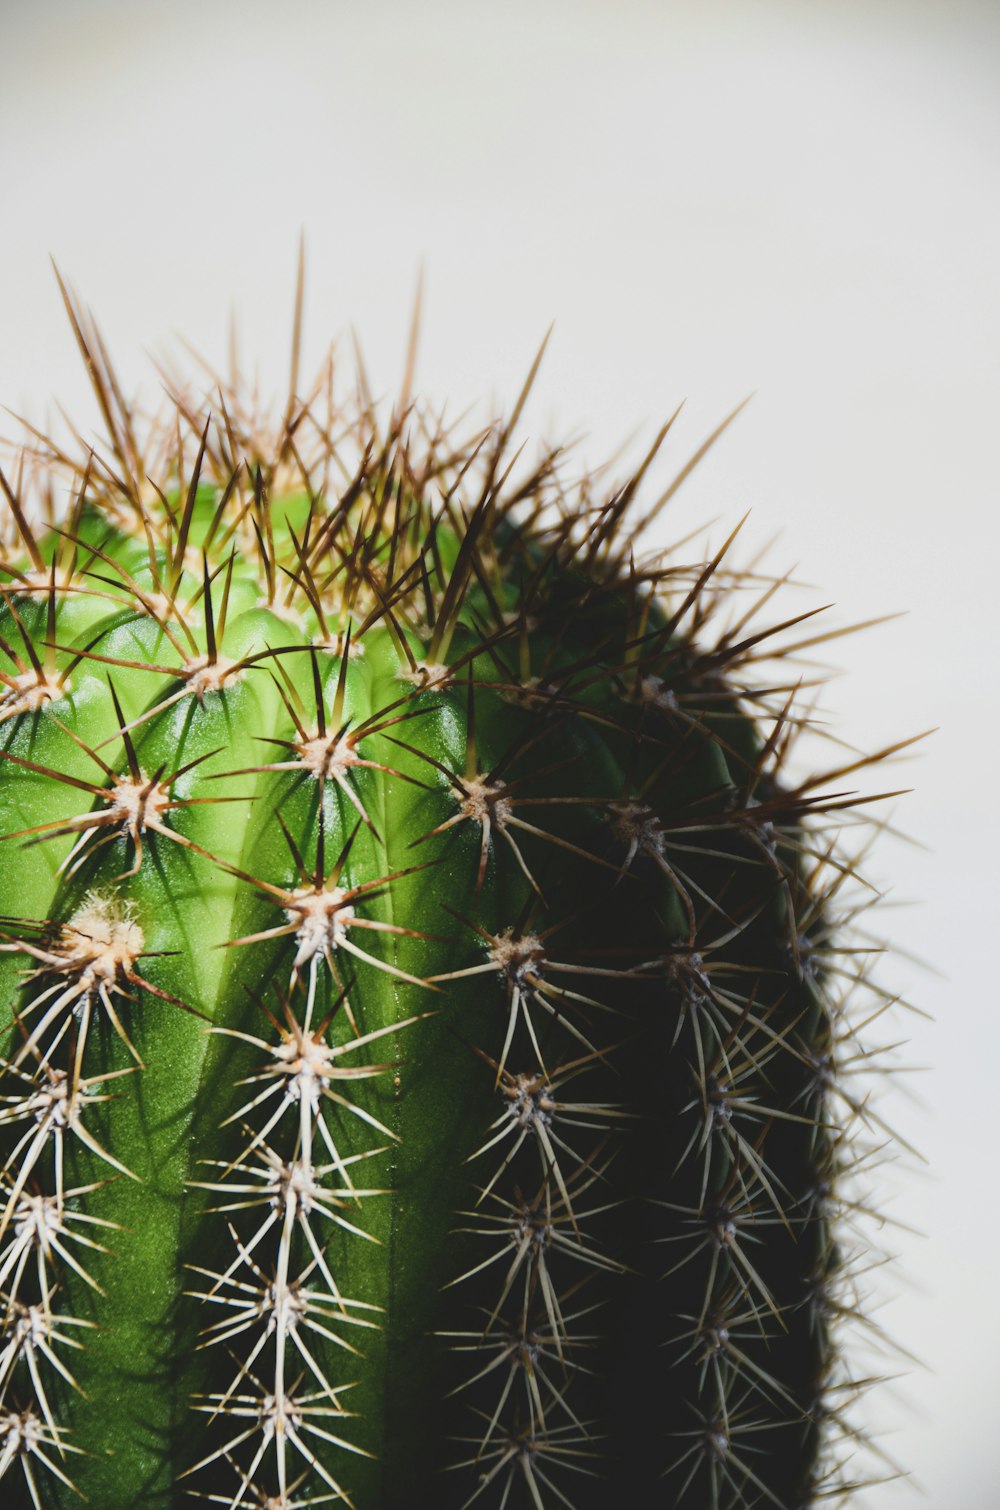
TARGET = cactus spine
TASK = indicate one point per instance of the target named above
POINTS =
(430, 999)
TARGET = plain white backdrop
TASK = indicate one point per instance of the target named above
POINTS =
(709, 199)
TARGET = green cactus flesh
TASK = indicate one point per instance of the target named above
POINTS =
(426, 998)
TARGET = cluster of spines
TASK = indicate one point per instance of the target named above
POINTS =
(532, 1220)
(277, 1294)
(374, 554)
(81, 970)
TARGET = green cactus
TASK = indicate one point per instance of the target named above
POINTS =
(429, 996)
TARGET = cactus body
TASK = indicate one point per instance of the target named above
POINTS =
(423, 999)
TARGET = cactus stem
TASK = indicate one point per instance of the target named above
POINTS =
(517, 654)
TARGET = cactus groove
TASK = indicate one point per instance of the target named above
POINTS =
(430, 997)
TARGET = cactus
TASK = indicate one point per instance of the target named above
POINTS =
(430, 998)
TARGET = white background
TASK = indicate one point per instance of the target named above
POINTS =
(798, 200)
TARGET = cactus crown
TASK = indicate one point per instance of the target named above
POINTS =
(432, 1000)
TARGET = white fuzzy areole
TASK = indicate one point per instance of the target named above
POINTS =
(30, 691)
(323, 918)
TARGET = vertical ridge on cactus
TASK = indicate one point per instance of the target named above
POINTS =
(432, 1004)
